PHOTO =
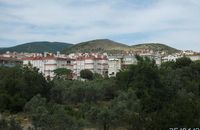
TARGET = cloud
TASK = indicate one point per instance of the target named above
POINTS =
(174, 22)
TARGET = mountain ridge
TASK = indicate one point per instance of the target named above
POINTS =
(37, 47)
(106, 45)
(156, 47)
(97, 45)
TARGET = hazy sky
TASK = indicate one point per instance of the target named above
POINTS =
(173, 22)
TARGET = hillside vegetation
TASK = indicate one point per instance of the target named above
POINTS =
(99, 45)
(41, 46)
(155, 47)
(106, 45)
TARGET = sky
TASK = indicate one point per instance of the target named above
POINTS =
(172, 22)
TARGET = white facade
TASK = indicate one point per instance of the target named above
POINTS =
(129, 60)
(170, 58)
(76, 63)
(101, 66)
(194, 57)
(114, 66)
(96, 65)
(47, 65)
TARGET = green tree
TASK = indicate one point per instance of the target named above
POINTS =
(86, 74)
(182, 62)
(3, 124)
(103, 117)
(97, 76)
(182, 112)
(14, 125)
(63, 73)
(20, 84)
(128, 109)
(9, 124)
(48, 116)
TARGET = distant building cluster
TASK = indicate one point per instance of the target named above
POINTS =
(101, 63)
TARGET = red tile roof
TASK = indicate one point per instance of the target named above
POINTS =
(46, 58)
(9, 59)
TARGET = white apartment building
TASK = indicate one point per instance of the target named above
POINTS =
(95, 64)
(48, 64)
(170, 58)
(101, 66)
(194, 57)
(128, 60)
(114, 66)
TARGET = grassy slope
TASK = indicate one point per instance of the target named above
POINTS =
(155, 47)
(100, 45)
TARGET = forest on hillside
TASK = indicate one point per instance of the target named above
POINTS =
(143, 97)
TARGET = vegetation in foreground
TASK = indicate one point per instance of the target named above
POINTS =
(143, 97)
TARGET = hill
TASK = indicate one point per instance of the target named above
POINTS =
(109, 46)
(155, 47)
(39, 47)
(99, 45)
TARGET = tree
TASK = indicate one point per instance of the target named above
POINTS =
(182, 112)
(5, 101)
(128, 109)
(103, 117)
(97, 76)
(3, 124)
(18, 85)
(63, 73)
(9, 124)
(14, 125)
(86, 74)
(182, 62)
(49, 116)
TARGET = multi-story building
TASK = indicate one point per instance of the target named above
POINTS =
(114, 66)
(101, 64)
(128, 60)
(95, 64)
(9, 62)
(170, 58)
(48, 64)
(194, 57)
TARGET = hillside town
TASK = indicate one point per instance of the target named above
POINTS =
(101, 63)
